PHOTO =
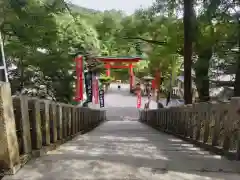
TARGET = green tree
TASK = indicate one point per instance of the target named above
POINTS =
(42, 48)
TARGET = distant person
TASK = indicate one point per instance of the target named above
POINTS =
(168, 98)
(138, 87)
(147, 105)
(148, 89)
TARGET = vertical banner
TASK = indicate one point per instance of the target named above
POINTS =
(94, 85)
(79, 81)
(90, 90)
(88, 85)
(157, 78)
(95, 88)
(139, 100)
(154, 84)
(101, 98)
(131, 74)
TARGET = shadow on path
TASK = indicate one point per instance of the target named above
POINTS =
(129, 150)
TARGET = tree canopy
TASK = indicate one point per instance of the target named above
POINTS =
(42, 37)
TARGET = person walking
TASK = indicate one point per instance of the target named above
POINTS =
(168, 98)
(147, 104)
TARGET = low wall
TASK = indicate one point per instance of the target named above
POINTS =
(213, 126)
(30, 127)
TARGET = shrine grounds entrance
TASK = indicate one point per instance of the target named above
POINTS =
(120, 63)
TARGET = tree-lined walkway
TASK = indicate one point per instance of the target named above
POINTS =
(128, 150)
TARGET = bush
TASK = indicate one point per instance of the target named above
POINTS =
(105, 79)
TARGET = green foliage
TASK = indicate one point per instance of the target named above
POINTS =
(105, 79)
(42, 37)
(41, 41)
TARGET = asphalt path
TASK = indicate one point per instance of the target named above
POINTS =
(128, 150)
(120, 104)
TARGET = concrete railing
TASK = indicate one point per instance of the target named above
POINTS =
(30, 127)
(213, 126)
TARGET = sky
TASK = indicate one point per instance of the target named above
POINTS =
(128, 6)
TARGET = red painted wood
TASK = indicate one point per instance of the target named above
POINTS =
(154, 84)
(117, 66)
(107, 66)
(104, 59)
(79, 81)
(131, 75)
(158, 78)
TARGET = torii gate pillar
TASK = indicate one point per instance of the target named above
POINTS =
(108, 69)
(131, 76)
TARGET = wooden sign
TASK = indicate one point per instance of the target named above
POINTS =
(101, 98)
(88, 85)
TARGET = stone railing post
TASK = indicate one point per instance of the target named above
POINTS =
(64, 121)
(46, 123)
(59, 122)
(76, 119)
(228, 125)
(69, 119)
(80, 119)
(86, 117)
(9, 151)
(190, 119)
(73, 125)
(234, 124)
(83, 118)
(90, 118)
(168, 114)
(53, 122)
(215, 119)
(197, 124)
(37, 129)
(26, 135)
(206, 119)
(177, 120)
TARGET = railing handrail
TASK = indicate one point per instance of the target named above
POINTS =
(29, 125)
(211, 124)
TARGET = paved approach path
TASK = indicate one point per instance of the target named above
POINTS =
(121, 105)
(119, 150)
(125, 149)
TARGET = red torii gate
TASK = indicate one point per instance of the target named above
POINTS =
(130, 60)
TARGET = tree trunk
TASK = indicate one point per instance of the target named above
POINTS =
(237, 77)
(188, 40)
(21, 68)
(202, 78)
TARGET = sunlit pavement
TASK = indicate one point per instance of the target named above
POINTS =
(122, 98)
(119, 150)
(115, 98)
(128, 150)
